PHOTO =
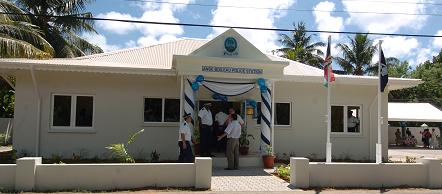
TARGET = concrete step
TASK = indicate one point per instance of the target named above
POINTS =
(244, 161)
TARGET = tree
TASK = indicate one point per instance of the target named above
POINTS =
(62, 32)
(431, 90)
(298, 47)
(357, 55)
(18, 37)
(398, 68)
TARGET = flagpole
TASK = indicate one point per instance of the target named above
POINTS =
(379, 144)
(329, 145)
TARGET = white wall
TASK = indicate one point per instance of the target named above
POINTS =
(29, 174)
(427, 173)
(119, 108)
(7, 176)
(414, 131)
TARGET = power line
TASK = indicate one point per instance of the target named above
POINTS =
(225, 26)
(395, 2)
(292, 9)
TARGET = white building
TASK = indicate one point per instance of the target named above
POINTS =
(64, 106)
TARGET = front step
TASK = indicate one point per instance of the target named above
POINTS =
(244, 161)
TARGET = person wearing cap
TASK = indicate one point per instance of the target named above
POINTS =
(233, 133)
(206, 122)
(185, 135)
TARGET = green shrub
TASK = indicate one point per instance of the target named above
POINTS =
(119, 151)
(2, 139)
(283, 172)
(410, 159)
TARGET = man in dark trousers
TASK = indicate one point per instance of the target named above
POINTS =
(206, 122)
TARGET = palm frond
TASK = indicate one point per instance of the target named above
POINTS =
(10, 47)
(28, 33)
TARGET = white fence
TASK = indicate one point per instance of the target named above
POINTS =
(30, 175)
(427, 173)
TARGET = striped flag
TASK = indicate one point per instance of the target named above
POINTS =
(327, 65)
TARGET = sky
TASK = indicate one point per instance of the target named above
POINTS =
(272, 14)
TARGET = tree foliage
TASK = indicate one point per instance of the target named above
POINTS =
(62, 32)
(18, 37)
(6, 100)
(298, 47)
(357, 55)
(430, 91)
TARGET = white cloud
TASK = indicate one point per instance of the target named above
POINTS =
(100, 41)
(398, 46)
(386, 22)
(151, 33)
(116, 27)
(265, 18)
(437, 42)
(325, 21)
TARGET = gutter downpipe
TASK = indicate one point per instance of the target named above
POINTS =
(37, 93)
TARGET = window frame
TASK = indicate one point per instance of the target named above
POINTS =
(72, 125)
(361, 120)
(291, 112)
(290, 116)
(163, 106)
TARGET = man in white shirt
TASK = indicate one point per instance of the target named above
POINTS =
(206, 122)
(233, 133)
(232, 111)
(184, 138)
(352, 122)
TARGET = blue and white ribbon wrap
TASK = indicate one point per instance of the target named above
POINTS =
(266, 114)
(189, 99)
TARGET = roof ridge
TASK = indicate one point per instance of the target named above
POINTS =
(308, 66)
(131, 49)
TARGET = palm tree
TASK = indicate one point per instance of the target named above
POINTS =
(62, 32)
(357, 56)
(19, 38)
(297, 47)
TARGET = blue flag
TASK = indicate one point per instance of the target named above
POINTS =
(383, 76)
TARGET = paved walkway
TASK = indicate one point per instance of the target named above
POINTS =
(399, 154)
(247, 179)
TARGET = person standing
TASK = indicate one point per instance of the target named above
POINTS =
(220, 119)
(184, 138)
(408, 132)
(398, 137)
(352, 122)
(233, 132)
(433, 143)
(206, 122)
(240, 120)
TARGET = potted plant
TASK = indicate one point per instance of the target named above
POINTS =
(244, 143)
(268, 158)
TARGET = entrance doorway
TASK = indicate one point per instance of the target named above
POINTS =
(219, 147)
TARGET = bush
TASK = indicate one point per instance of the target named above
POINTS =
(119, 151)
(2, 139)
(283, 172)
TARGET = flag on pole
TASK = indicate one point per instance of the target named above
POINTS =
(383, 75)
(328, 66)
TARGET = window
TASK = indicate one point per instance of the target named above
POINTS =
(171, 110)
(69, 108)
(346, 119)
(161, 110)
(282, 114)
